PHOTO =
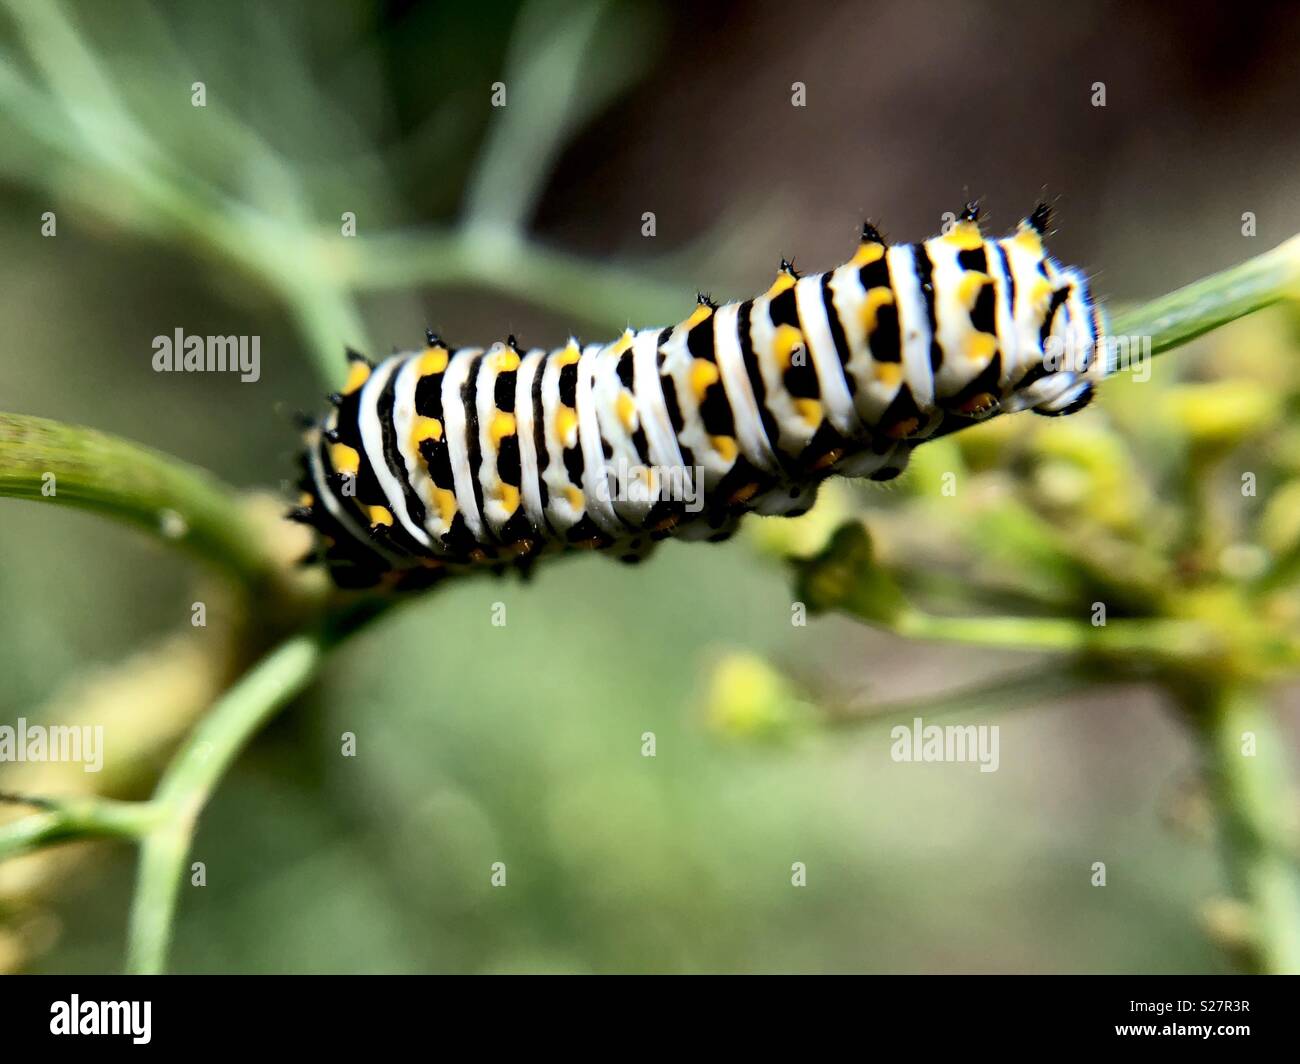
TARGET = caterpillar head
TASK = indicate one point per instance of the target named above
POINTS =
(1070, 349)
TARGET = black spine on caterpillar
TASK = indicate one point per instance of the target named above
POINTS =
(447, 458)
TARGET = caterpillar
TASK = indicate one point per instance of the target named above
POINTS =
(436, 461)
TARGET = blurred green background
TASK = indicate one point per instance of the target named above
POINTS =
(522, 744)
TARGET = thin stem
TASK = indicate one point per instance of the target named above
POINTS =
(179, 504)
(554, 80)
(328, 319)
(846, 577)
(608, 295)
(153, 906)
(71, 818)
(1001, 692)
(1246, 764)
(1131, 638)
(193, 775)
(1206, 304)
(77, 78)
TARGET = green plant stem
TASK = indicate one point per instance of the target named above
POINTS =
(1141, 638)
(328, 319)
(846, 577)
(552, 84)
(576, 288)
(165, 824)
(999, 693)
(1180, 316)
(63, 819)
(1253, 794)
(177, 503)
(191, 778)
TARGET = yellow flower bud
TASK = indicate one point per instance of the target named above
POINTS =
(749, 699)
(1222, 413)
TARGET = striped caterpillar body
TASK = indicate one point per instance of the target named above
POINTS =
(444, 459)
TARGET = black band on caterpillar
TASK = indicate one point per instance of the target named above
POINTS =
(444, 459)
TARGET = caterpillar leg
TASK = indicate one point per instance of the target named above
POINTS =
(787, 500)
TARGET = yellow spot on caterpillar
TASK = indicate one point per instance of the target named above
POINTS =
(503, 425)
(970, 286)
(1040, 295)
(782, 283)
(1028, 239)
(566, 426)
(575, 498)
(344, 458)
(506, 361)
(379, 515)
(889, 373)
(725, 447)
(358, 374)
(701, 313)
(784, 343)
(867, 254)
(625, 406)
(624, 342)
(569, 355)
(445, 500)
(810, 410)
(306, 499)
(875, 299)
(979, 346)
(703, 375)
(424, 428)
(743, 494)
(965, 236)
(432, 362)
(508, 496)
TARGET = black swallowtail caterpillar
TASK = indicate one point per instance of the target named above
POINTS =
(447, 458)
